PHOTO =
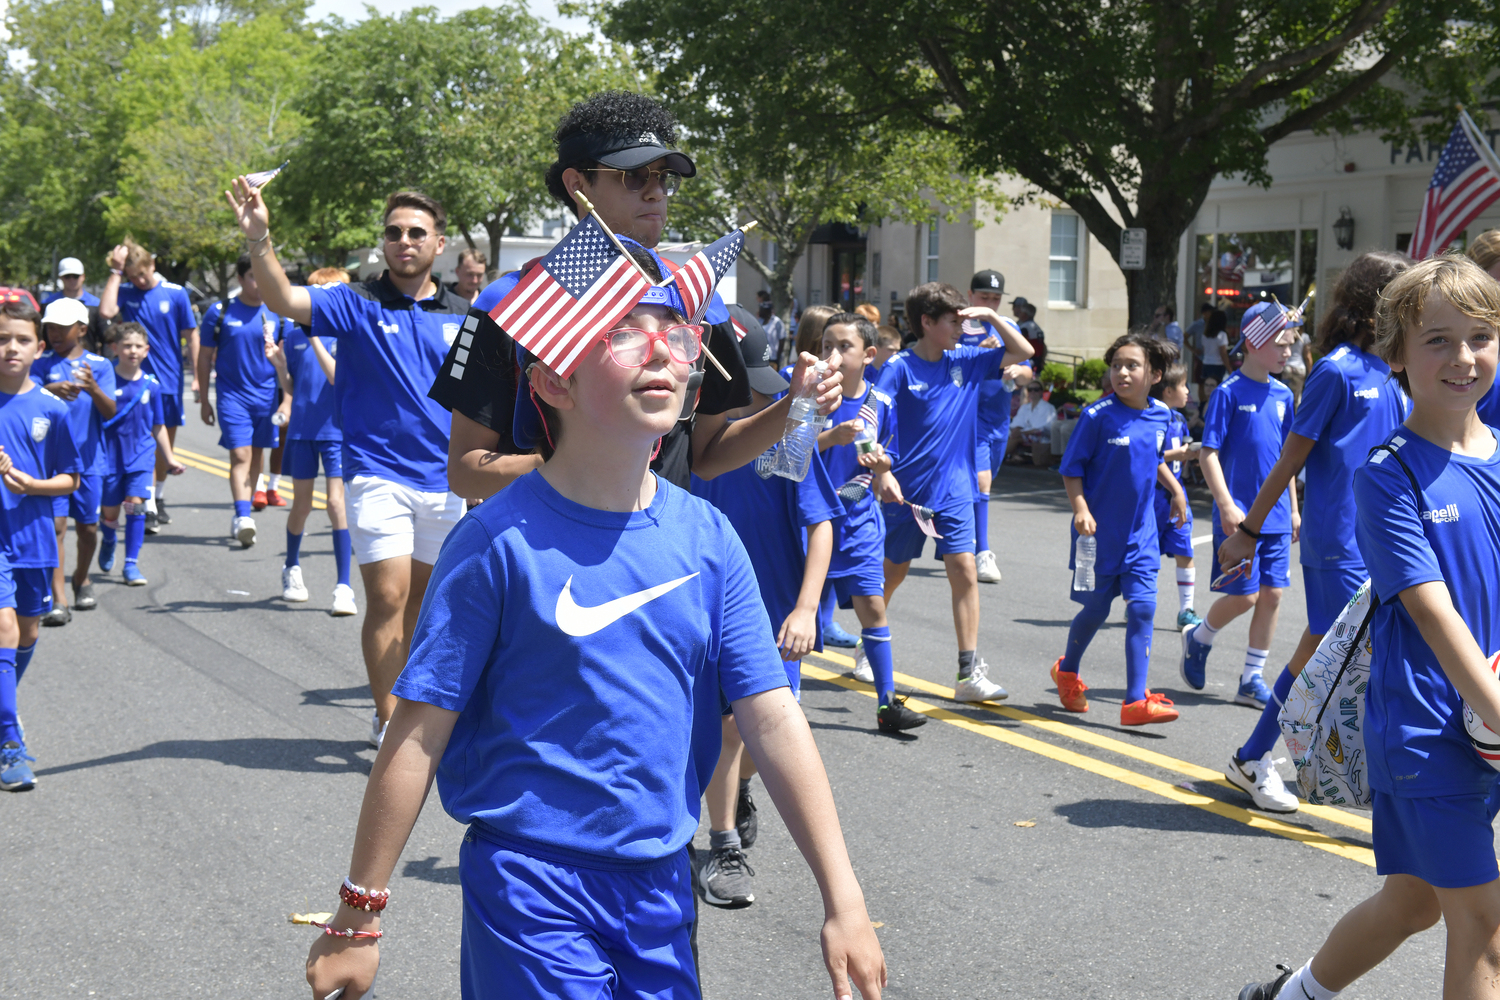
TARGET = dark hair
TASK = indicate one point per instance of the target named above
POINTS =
(1173, 375)
(935, 299)
(1159, 353)
(23, 310)
(120, 331)
(763, 295)
(469, 255)
(1356, 298)
(609, 112)
(420, 202)
(1205, 307)
(862, 326)
(1170, 310)
(242, 265)
(1217, 322)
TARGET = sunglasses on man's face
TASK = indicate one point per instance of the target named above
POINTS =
(415, 234)
(640, 178)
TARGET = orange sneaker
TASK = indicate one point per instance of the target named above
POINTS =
(1152, 708)
(1070, 688)
(258, 500)
(273, 499)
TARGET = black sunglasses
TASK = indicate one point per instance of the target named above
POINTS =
(416, 234)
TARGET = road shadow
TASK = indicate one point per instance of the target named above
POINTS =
(1170, 817)
(349, 697)
(304, 756)
(428, 871)
(1063, 623)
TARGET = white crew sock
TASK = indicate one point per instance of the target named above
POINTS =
(1187, 580)
(1255, 663)
(260, 483)
(1302, 986)
(1204, 633)
(273, 482)
(156, 491)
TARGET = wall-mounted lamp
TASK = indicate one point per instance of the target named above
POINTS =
(1343, 230)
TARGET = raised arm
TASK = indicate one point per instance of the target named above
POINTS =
(109, 299)
(276, 289)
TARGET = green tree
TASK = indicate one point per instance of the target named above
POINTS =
(1126, 112)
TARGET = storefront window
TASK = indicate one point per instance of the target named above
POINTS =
(1237, 270)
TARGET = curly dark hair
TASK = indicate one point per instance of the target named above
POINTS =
(609, 112)
(1356, 297)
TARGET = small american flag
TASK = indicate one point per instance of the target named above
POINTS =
(1465, 183)
(696, 279)
(1267, 323)
(560, 307)
(263, 177)
(739, 328)
(923, 516)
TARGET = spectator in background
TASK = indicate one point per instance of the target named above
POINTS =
(810, 330)
(1032, 422)
(1294, 375)
(775, 328)
(1025, 314)
(1215, 351)
(1164, 324)
(470, 274)
(869, 312)
(1193, 343)
(887, 343)
(70, 277)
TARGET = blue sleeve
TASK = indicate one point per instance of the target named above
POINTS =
(1321, 397)
(104, 375)
(495, 291)
(459, 624)
(182, 310)
(748, 661)
(1388, 529)
(890, 380)
(206, 334)
(1216, 419)
(158, 415)
(1289, 416)
(816, 499)
(982, 362)
(64, 450)
(1081, 445)
(336, 310)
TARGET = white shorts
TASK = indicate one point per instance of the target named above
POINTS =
(388, 519)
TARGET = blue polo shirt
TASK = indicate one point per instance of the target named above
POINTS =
(87, 298)
(1247, 422)
(313, 415)
(1116, 451)
(34, 432)
(166, 312)
(236, 333)
(85, 422)
(393, 346)
(128, 442)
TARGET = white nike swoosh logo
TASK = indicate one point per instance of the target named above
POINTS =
(579, 622)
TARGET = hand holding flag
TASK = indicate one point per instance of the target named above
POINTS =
(261, 178)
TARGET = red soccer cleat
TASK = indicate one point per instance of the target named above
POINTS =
(1154, 707)
(1070, 689)
(258, 501)
(274, 499)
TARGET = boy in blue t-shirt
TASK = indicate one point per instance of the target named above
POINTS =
(1244, 429)
(86, 382)
(934, 386)
(1177, 540)
(38, 461)
(233, 339)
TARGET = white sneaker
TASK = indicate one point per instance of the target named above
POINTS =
(291, 584)
(1259, 780)
(343, 601)
(377, 731)
(978, 687)
(243, 530)
(989, 569)
(862, 670)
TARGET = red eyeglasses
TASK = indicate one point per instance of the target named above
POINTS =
(630, 347)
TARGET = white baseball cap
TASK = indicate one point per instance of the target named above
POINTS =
(68, 266)
(65, 312)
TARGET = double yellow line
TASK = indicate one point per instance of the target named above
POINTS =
(1105, 769)
(215, 467)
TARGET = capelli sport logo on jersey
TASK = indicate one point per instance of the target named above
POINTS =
(1122, 442)
(1371, 393)
(1443, 515)
(1247, 407)
(39, 428)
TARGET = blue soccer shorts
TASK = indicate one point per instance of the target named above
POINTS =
(125, 484)
(1328, 591)
(82, 505)
(541, 929)
(1271, 566)
(1170, 539)
(245, 423)
(904, 539)
(1447, 841)
(1136, 580)
(171, 408)
(299, 459)
(33, 591)
(7, 584)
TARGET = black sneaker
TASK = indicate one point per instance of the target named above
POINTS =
(746, 823)
(83, 597)
(896, 717)
(725, 879)
(57, 616)
(153, 523)
(162, 517)
(1267, 991)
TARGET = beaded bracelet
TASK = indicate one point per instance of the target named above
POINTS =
(357, 897)
(349, 933)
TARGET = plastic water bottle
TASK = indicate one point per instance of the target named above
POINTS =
(1084, 552)
(800, 440)
(864, 438)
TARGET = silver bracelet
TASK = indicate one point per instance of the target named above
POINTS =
(261, 240)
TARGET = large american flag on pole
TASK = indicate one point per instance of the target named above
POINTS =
(696, 279)
(1466, 182)
(558, 310)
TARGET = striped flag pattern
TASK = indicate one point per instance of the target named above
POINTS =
(1267, 323)
(263, 177)
(696, 279)
(1465, 183)
(739, 328)
(580, 289)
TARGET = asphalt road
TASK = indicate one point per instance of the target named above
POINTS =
(201, 754)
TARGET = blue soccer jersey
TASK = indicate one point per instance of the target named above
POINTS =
(994, 397)
(34, 433)
(128, 442)
(237, 335)
(165, 311)
(1247, 423)
(85, 422)
(937, 421)
(586, 652)
(313, 417)
(393, 346)
(1349, 405)
(1414, 731)
(859, 536)
(1116, 450)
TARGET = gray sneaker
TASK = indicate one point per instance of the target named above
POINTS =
(725, 879)
(83, 597)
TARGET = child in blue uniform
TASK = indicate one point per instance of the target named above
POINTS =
(1245, 426)
(580, 633)
(133, 438)
(38, 461)
(15, 763)
(1348, 407)
(1176, 540)
(1111, 469)
(935, 389)
(86, 382)
(1428, 526)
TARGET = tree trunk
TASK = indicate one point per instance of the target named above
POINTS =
(496, 231)
(1156, 285)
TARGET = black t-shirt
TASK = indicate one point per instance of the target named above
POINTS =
(479, 379)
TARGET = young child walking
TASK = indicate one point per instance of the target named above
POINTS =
(581, 630)
(1246, 424)
(1111, 469)
(1427, 522)
(1176, 540)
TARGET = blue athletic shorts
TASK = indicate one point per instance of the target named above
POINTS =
(82, 505)
(243, 425)
(1172, 540)
(904, 540)
(1328, 590)
(33, 591)
(535, 929)
(7, 584)
(126, 484)
(299, 459)
(171, 409)
(1446, 841)
(990, 451)
(867, 581)
(1271, 565)
(1136, 580)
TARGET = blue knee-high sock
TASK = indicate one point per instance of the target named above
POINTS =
(825, 609)
(341, 553)
(135, 536)
(878, 651)
(23, 660)
(10, 729)
(1081, 632)
(293, 547)
(1263, 737)
(982, 524)
(1140, 619)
